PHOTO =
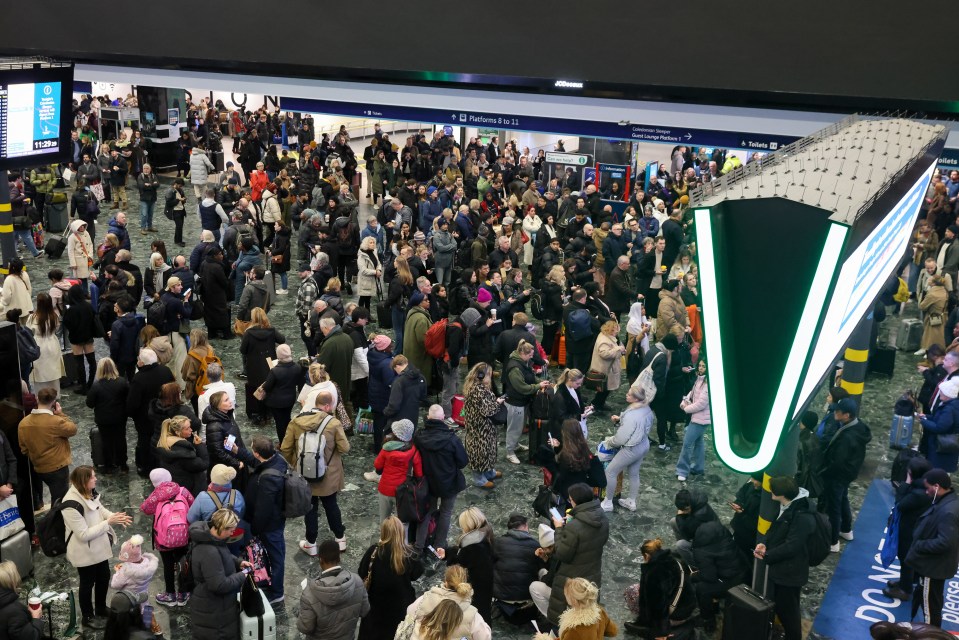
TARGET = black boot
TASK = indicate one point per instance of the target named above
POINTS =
(81, 387)
(92, 362)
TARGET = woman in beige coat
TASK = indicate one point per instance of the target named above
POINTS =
(90, 539)
(671, 317)
(80, 251)
(607, 358)
(933, 307)
(337, 445)
(17, 290)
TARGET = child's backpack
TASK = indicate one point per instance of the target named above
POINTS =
(170, 526)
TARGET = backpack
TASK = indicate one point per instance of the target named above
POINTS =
(539, 407)
(27, 345)
(53, 532)
(296, 493)
(256, 555)
(170, 524)
(435, 340)
(92, 206)
(344, 232)
(230, 500)
(184, 570)
(156, 314)
(201, 379)
(580, 324)
(310, 447)
(819, 541)
(169, 203)
(536, 304)
(645, 379)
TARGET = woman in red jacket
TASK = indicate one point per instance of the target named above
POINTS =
(393, 464)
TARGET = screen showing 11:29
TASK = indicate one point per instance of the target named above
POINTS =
(29, 119)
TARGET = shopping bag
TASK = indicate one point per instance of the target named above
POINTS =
(97, 190)
(10, 521)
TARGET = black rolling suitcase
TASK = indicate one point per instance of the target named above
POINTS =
(384, 316)
(748, 615)
(55, 247)
(883, 360)
(96, 448)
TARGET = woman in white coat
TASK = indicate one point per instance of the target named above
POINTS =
(80, 252)
(45, 323)
(531, 225)
(90, 539)
(631, 441)
(369, 271)
(17, 290)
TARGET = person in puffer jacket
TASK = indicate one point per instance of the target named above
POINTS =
(164, 490)
(334, 602)
(692, 459)
(136, 568)
(393, 463)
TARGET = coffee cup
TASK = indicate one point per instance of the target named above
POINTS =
(34, 603)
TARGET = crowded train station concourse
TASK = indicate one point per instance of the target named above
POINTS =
(320, 341)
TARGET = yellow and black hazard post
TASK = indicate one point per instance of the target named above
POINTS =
(856, 359)
(8, 243)
(783, 464)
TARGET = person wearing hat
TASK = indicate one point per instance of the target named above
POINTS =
(934, 308)
(478, 248)
(165, 490)
(481, 332)
(429, 208)
(515, 565)
(393, 463)
(219, 493)
(306, 295)
(280, 387)
(934, 554)
(136, 569)
(540, 589)
(842, 459)
(944, 420)
(125, 617)
(380, 359)
(232, 173)
(144, 388)
(80, 252)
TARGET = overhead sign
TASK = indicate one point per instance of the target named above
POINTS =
(566, 158)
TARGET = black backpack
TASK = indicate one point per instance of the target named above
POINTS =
(819, 541)
(53, 532)
(536, 304)
(539, 407)
(27, 345)
(156, 314)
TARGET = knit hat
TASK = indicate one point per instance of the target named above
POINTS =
(159, 476)
(222, 475)
(470, 316)
(416, 299)
(949, 388)
(939, 477)
(419, 236)
(284, 353)
(131, 550)
(507, 222)
(403, 429)
(381, 342)
(430, 191)
(545, 536)
(442, 222)
(484, 296)
(954, 228)
(304, 266)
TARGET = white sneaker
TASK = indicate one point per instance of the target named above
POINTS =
(342, 543)
(626, 503)
(834, 548)
(282, 292)
(511, 458)
(846, 535)
(307, 548)
(452, 424)
(607, 505)
(372, 476)
(522, 447)
(921, 352)
(681, 478)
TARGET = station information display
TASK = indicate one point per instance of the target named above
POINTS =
(35, 116)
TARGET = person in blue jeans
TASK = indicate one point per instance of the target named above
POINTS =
(264, 499)
(692, 459)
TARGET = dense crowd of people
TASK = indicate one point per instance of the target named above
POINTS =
(469, 245)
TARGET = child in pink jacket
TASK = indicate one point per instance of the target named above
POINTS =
(165, 489)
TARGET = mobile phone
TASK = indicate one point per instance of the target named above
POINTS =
(187, 292)
(433, 551)
(553, 511)
(230, 441)
(246, 570)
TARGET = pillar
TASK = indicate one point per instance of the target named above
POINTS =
(783, 464)
(856, 358)
(8, 243)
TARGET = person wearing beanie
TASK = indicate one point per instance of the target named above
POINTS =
(220, 493)
(842, 460)
(393, 463)
(165, 490)
(135, 569)
(944, 420)
(540, 589)
(934, 554)
(479, 249)
(280, 388)
(484, 296)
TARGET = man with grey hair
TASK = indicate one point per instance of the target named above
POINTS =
(444, 458)
(199, 251)
(620, 293)
(322, 270)
(336, 353)
(214, 373)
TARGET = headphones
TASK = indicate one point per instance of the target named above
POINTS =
(481, 373)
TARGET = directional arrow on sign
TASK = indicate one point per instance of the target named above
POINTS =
(453, 116)
(688, 136)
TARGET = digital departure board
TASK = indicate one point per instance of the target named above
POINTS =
(35, 116)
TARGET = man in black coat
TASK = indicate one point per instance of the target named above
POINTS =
(444, 458)
(674, 236)
(217, 291)
(510, 339)
(515, 563)
(841, 461)
(123, 263)
(619, 288)
(144, 388)
(934, 554)
(579, 345)
(692, 511)
(785, 552)
(407, 393)
(123, 337)
(264, 511)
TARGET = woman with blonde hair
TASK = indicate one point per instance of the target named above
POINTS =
(369, 270)
(333, 296)
(442, 622)
(183, 454)
(388, 569)
(108, 399)
(585, 619)
(400, 290)
(156, 275)
(474, 552)
(17, 622)
(605, 368)
(631, 442)
(259, 344)
(456, 589)
(481, 404)
(553, 287)
(319, 381)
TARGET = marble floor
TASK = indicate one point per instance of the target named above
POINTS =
(513, 494)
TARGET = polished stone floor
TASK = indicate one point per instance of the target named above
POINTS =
(513, 494)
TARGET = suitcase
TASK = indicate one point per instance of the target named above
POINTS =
(748, 615)
(17, 549)
(57, 217)
(261, 627)
(55, 248)
(900, 433)
(883, 361)
(458, 404)
(96, 448)
(384, 316)
(910, 334)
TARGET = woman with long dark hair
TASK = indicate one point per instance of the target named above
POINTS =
(574, 461)
(401, 288)
(44, 323)
(82, 326)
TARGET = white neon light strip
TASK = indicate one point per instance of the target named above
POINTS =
(815, 301)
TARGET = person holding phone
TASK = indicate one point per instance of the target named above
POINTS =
(214, 609)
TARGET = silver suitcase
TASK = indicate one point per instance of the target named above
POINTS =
(910, 335)
(17, 549)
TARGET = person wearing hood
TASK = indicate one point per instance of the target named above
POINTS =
(692, 458)
(135, 569)
(214, 608)
(692, 511)
(144, 389)
(211, 214)
(944, 420)
(332, 603)
(785, 553)
(200, 170)
(17, 622)
(255, 294)
(579, 541)
(407, 392)
(393, 463)
(380, 359)
(336, 353)
(80, 252)
(661, 581)
(720, 566)
(123, 336)
(842, 459)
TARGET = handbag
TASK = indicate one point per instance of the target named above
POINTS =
(250, 600)
(276, 259)
(260, 393)
(364, 421)
(10, 520)
(369, 572)
(645, 380)
(545, 500)
(935, 319)
(341, 413)
(406, 628)
(412, 497)
(97, 190)
(596, 381)
(240, 326)
(890, 546)
(500, 416)
(947, 443)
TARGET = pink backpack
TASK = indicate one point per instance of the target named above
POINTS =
(170, 526)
